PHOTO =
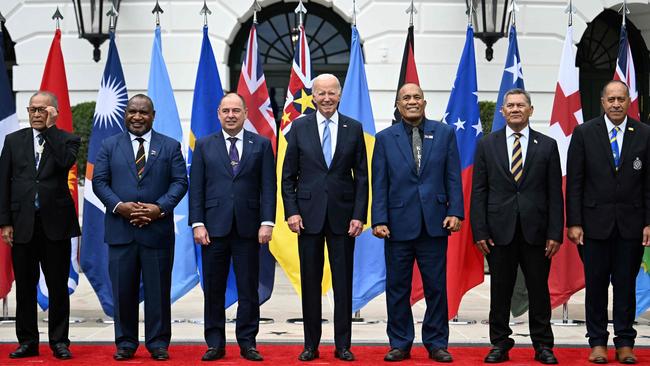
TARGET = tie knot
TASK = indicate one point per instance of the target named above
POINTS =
(232, 139)
(517, 135)
(40, 138)
(140, 140)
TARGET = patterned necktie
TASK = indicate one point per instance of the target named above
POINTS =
(41, 142)
(234, 155)
(416, 140)
(516, 167)
(614, 142)
(139, 158)
(327, 144)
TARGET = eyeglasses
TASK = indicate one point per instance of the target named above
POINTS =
(34, 110)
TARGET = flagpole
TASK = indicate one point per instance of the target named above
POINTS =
(5, 318)
(205, 11)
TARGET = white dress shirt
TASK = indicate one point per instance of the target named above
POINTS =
(135, 144)
(523, 141)
(37, 146)
(619, 136)
(333, 126)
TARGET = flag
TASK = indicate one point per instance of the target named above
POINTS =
(284, 244)
(205, 120)
(464, 260)
(108, 120)
(252, 87)
(625, 72)
(513, 77)
(408, 72)
(369, 276)
(54, 81)
(8, 124)
(167, 122)
(567, 275)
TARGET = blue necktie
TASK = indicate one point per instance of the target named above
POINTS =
(234, 155)
(327, 145)
(41, 142)
(614, 142)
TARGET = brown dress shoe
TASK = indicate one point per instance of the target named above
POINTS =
(625, 355)
(598, 354)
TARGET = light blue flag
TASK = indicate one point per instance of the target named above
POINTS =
(167, 122)
(205, 120)
(513, 77)
(369, 278)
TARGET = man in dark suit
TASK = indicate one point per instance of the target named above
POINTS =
(517, 219)
(38, 218)
(232, 211)
(608, 216)
(325, 195)
(417, 201)
(140, 176)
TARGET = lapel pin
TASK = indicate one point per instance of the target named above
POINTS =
(153, 153)
(630, 128)
(637, 165)
(250, 141)
(345, 125)
(428, 136)
(535, 140)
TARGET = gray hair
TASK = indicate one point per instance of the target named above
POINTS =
(323, 77)
(54, 101)
(517, 91)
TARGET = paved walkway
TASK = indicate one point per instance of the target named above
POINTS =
(285, 304)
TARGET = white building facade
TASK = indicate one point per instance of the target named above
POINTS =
(439, 37)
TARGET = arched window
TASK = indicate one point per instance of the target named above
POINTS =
(329, 43)
(596, 58)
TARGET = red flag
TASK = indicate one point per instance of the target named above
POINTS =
(567, 276)
(252, 86)
(408, 72)
(625, 73)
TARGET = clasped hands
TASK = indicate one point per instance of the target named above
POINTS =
(138, 213)
(451, 223)
(295, 225)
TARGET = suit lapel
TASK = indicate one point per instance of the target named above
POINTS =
(503, 160)
(429, 129)
(603, 141)
(341, 137)
(247, 149)
(312, 131)
(401, 138)
(127, 149)
(222, 150)
(530, 153)
(154, 151)
(28, 140)
(628, 140)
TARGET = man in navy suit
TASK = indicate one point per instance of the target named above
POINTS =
(140, 176)
(608, 216)
(232, 212)
(325, 195)
(417, 201)
(517, 219)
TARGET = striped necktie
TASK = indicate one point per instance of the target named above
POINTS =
(614, 143)
(327, 143)
(516, 167)
(139, 158)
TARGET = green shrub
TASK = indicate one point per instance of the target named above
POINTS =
(82, 122)
(487, 115)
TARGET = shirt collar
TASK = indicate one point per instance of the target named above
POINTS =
(525, 132)
(610, 125)
(36, 132)
(239, 135)
(146, 136)
(334, 119)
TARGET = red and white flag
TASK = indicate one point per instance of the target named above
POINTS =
(252, 86)
(625, 73)
(567, 276)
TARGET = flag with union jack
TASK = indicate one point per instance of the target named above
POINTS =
(625, 72)
(252, 87)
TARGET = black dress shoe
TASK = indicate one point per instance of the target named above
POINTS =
(25, 350)
(496, 355)
(61, 351)
(344, 354)
(308, 354)
(545, 355)
(124, 354)
(251, 354)
(440, 355)
(160, 354)
(397, 354)
(213, 354)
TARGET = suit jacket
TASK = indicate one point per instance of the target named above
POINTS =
(20, 181)
(497, 199)
(164, 182)
(600, 198)
(312, 190)
(217, 197)
(404, 200)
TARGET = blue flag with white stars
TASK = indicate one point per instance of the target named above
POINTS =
(513, 77)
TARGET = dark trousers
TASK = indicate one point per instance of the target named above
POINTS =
(215, 258)
(54, 258)
(503, 261)
(431, 256)
(127, 264)
(617, 260)
(311, 249)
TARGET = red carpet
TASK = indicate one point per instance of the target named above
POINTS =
(286, 355)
